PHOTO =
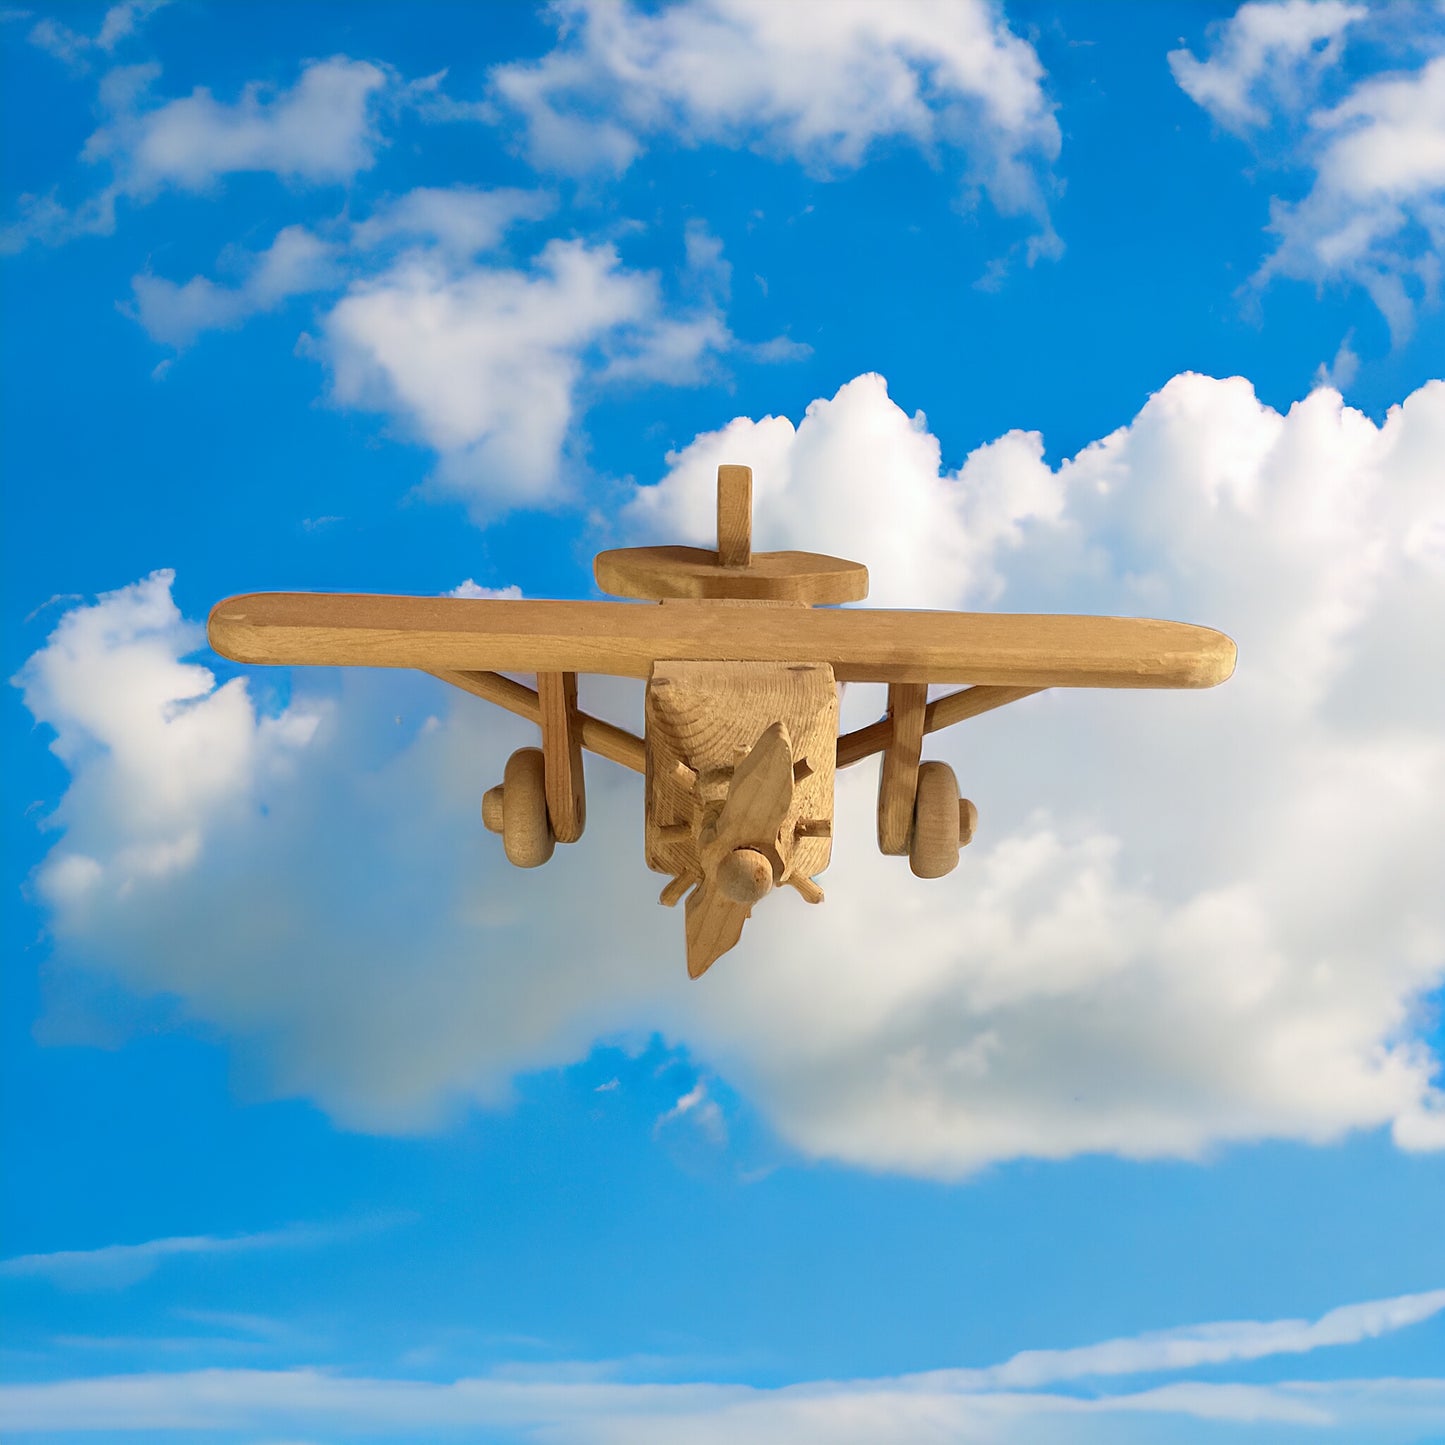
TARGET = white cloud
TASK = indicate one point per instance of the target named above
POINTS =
(698, 1110)
(592, 1405)
(1341, 372)
(74, 47)
(1210, 1344)
(487, 365)
(927, 539)
(448, 225)
(490, 366)
(322, 130)
(461, 221)
(115, 1266)
(1188, 919)
(1265, 56)
(825, 83)
(296, 263)
(1374, 212)
(159, 751)
(469, 588)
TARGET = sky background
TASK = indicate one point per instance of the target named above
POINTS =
(323, 1124)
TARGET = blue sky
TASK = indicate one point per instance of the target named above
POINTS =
(323, 1124)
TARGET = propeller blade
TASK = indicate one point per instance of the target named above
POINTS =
(739, 851)
(760, 793)
(714, 925)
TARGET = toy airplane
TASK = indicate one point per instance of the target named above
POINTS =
(741, 738)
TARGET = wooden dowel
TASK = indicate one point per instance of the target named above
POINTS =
(809, 890)
(735, 516)
(607, 741)
(562, 749)
(898, 782)
(943, 712)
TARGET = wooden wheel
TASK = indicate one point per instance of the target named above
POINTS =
(517, 809)
(937, 819)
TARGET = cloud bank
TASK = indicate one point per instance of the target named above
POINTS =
(1188, 919)
(1003, 1403)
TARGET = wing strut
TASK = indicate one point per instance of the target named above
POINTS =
(942, 712)
(614, 743)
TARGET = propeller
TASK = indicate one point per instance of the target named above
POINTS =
(738, 850)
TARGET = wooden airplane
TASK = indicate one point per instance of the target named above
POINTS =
(741, 738)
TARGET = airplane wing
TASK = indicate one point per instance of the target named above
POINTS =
(624, 639)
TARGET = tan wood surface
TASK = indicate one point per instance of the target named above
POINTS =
(933, 848)
(745, 875)
(562, 748)
(967, 822)
(898, 778)
(502, 635)
(734, 516)
(743, 848)
(730, 602)
(527, 835)
(674, 890)
(713, 924)
(655, 573)
(807, 889)
(603, 738)
(492, 809)
(707, 717)
(941, 713)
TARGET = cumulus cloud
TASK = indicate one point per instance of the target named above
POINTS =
(160, 752)
(1000, 1404)
(471, 588)
(1188, 919)
(825, 83)
(487, 365)
(1373, 215)
(1264, 57)
(928, 539)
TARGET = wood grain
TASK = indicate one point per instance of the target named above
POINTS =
(562, 749)
(898, 778)
(942, 712)
(445, 634)
(967, 821)
(734, 516)
(713, 925)
(707, 717)
(745, 876)
(933, 849)
(527, 836)
(655, 573)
